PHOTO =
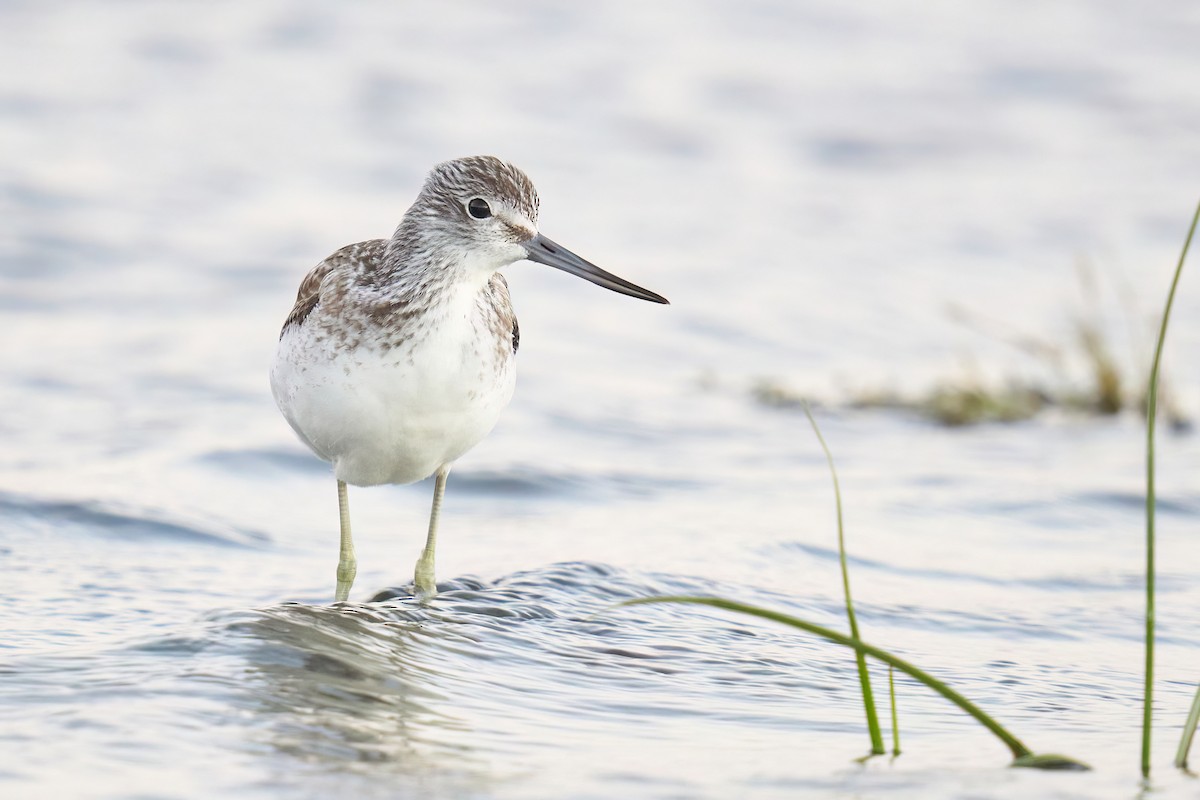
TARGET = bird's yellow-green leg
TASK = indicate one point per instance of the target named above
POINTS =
(347, 566)
(423, 580)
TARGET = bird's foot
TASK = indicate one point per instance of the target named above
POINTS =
(424, 594)
(345, 579)
(424, 585)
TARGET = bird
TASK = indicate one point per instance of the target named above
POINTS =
(399, 354)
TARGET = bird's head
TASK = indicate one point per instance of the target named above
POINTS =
(482, 212)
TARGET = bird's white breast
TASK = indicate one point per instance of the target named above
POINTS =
(398, 413)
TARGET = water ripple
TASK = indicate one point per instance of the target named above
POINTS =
(98, 518)
(544, 645)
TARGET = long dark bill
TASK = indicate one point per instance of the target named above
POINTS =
(545, 251)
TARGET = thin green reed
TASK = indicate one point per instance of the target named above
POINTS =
(895, 718)
(1151, 419)
(1022, 755)
(864, 675)
(1189, 731)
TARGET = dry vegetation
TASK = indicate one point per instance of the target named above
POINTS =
(1079, 373)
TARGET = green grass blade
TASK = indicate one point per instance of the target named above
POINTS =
(1189, 732)
(1151, 418)
(895, 718)
(864, 675)
(1022, 756)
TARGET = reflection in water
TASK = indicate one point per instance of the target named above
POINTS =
(473, 686)
(349, 688)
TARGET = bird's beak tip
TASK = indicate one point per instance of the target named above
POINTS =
(545, 251)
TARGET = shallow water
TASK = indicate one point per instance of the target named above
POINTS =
(811, 185)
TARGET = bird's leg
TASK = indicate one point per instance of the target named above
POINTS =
(347, 566)
(423, 579)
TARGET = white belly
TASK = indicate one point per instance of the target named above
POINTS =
(391, 416)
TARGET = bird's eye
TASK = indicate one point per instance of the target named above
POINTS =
(479, 208)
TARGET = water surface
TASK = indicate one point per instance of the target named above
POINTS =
(811, 184)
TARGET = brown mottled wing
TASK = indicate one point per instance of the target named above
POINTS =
(499, 308)
(309, 294)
